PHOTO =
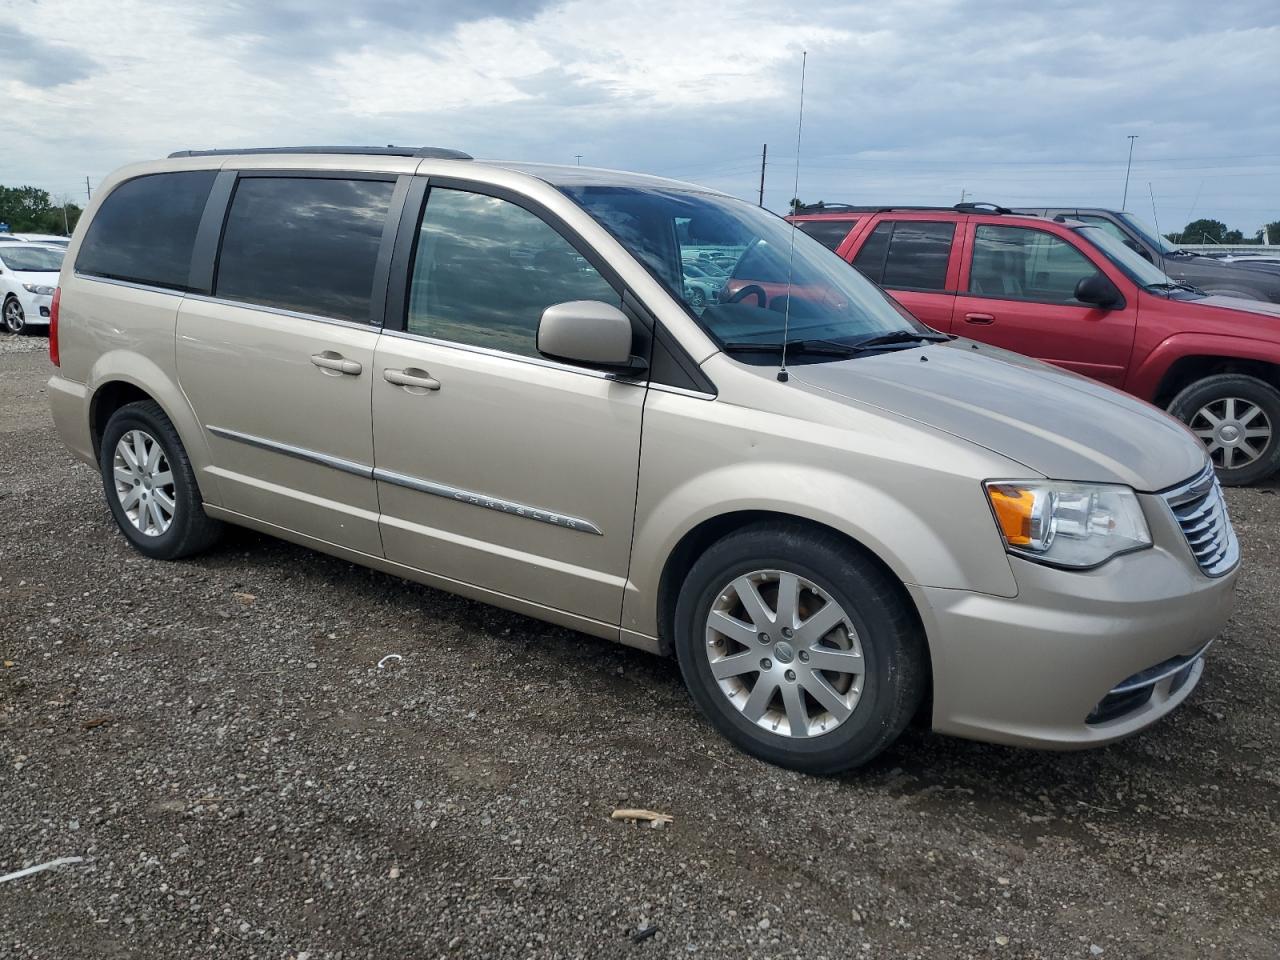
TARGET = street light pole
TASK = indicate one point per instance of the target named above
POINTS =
(1128, 167)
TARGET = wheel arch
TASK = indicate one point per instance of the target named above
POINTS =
(119, 378)
(703, 535)
(1187, 370)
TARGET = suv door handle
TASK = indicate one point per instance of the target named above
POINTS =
(978, 318)
(411, 378)
(329, 360)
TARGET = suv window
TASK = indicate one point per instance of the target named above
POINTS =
(485, 269)
(1107, 225)
(304, 244)
(145, 229)
(829, 233)
(908, 254)
(1021, 263)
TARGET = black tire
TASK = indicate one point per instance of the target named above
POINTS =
(191, 530)
(892, 641)
(17, 323)
(1211, 390)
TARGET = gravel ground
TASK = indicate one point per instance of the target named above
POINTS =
(215, 739)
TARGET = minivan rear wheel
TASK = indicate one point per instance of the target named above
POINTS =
(1237, 418)
(150, 485)
(798, 649)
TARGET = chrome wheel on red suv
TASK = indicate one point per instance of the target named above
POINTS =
(1237, 418)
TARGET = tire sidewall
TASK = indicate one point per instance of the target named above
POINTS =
(1198, 395)
(4, 317)
(855, 740)
(129, 418)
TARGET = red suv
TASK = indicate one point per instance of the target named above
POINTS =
(1071, 294)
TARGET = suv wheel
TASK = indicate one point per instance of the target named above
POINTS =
(150, 485)
(1238, 419)
(797, 649)
(15, 321)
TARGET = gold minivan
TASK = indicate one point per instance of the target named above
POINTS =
(648, 411)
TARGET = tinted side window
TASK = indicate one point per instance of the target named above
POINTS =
(145, 229)
(304, 244)
(1025, 264)
(1108, 226)
(918, 255)
(485, 269)
(870, 259)
(829, 233)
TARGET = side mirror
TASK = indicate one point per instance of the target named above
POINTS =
(587, 332)
(1098, 291)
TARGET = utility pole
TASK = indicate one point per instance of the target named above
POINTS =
(1132, 137)
(764, 155)
(962, 194)
(578, 157)
(88, 195)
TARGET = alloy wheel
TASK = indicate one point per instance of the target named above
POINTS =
(14, 318)
(144, 482)
(1236, 432)
(785, 653)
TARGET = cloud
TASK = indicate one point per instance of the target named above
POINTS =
(906, 102)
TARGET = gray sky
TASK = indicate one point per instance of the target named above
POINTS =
(909, 101)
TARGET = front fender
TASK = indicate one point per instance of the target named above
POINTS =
(1149, 374)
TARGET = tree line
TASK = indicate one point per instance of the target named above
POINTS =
(32, 210)
(1215, 231)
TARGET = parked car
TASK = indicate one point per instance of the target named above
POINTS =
(28, 276)
(1211, 274)
(702, 282)
(342, 348)
(1070, 293)
(48, 239)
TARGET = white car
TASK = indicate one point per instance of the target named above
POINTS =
(28, 276)
(49, 239)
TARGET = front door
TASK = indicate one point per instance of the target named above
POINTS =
(278, 363)
(495, 466)
(1020, 294)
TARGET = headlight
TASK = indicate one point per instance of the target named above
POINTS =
(1068, 524)
(38, 289)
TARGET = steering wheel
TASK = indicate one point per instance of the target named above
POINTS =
(751, 289)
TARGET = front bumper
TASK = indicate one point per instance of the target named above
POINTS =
(1052, 666)
(36, 308)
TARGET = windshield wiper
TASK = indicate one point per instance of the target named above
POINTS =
(813, 347)
(898, 336)
(1172, 285)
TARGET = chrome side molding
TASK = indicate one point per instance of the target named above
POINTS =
(412, 483)
(489, 503)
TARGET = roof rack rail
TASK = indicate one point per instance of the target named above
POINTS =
(968, 207)
(430, 153)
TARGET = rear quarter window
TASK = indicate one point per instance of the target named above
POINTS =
(145, 230)
(829, 233)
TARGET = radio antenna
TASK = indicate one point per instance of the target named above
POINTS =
(783, 376)
(1159, 236)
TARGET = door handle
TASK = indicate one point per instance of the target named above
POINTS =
(978, 318)
(412, 379)
(329, 361)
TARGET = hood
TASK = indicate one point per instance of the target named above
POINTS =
(1054, 422)
(1260, 307)
(46, 277)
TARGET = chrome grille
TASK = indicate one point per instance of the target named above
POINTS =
(1201, 511)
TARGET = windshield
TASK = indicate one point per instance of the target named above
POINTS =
(1137, 267)
(744, 256)
(1148, 233)
(35, 259)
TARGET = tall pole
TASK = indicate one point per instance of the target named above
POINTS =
(578, 157)
(87, 194)
(764, 155)
(1132, 137)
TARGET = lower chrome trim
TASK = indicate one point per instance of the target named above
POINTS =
(1161, 671)
(412, 483)
(298, 453)
(489, 503)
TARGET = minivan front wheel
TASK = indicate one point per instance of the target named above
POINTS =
(150, 485)
(1237, 418)
(798, 649)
